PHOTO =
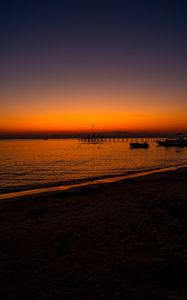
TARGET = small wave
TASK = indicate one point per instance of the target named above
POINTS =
(81, 184)
(55, 162)
(72, 162)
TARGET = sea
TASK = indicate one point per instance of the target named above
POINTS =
(34, 164)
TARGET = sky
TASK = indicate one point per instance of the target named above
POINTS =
(66, 65)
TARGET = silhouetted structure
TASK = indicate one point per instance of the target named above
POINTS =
(91, 138)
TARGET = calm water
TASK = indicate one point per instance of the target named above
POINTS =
(28, 164)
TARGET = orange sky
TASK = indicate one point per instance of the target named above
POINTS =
(76, 109)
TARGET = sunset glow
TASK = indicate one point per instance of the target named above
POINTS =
(109, 112)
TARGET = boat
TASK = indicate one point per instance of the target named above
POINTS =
(139, 145)
(178, 141)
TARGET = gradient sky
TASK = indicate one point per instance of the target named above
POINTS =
(65, 65)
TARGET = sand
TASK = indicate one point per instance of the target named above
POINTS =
(118, 241)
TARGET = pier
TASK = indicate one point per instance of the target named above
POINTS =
(100, 138)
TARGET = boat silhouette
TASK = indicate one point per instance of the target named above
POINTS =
(139, 145)
(178, 141)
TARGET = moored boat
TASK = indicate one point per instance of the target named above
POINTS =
(139, 145)
(175, 142)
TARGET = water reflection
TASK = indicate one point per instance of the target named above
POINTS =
(30, 163)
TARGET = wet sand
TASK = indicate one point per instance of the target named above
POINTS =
(124, 240)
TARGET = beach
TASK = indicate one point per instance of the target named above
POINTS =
(123, 240)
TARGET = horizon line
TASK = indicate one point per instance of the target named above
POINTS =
(66, 135)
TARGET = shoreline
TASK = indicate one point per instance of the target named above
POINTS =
(124, 240)
(11, 196)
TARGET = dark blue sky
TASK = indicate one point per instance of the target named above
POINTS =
(69, 37)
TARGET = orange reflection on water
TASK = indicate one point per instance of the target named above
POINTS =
(28, 164)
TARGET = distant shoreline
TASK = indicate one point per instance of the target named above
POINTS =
(120, 134)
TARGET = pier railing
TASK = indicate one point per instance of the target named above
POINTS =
(100, 138)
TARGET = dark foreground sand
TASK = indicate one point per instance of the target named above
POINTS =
(122, 241)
